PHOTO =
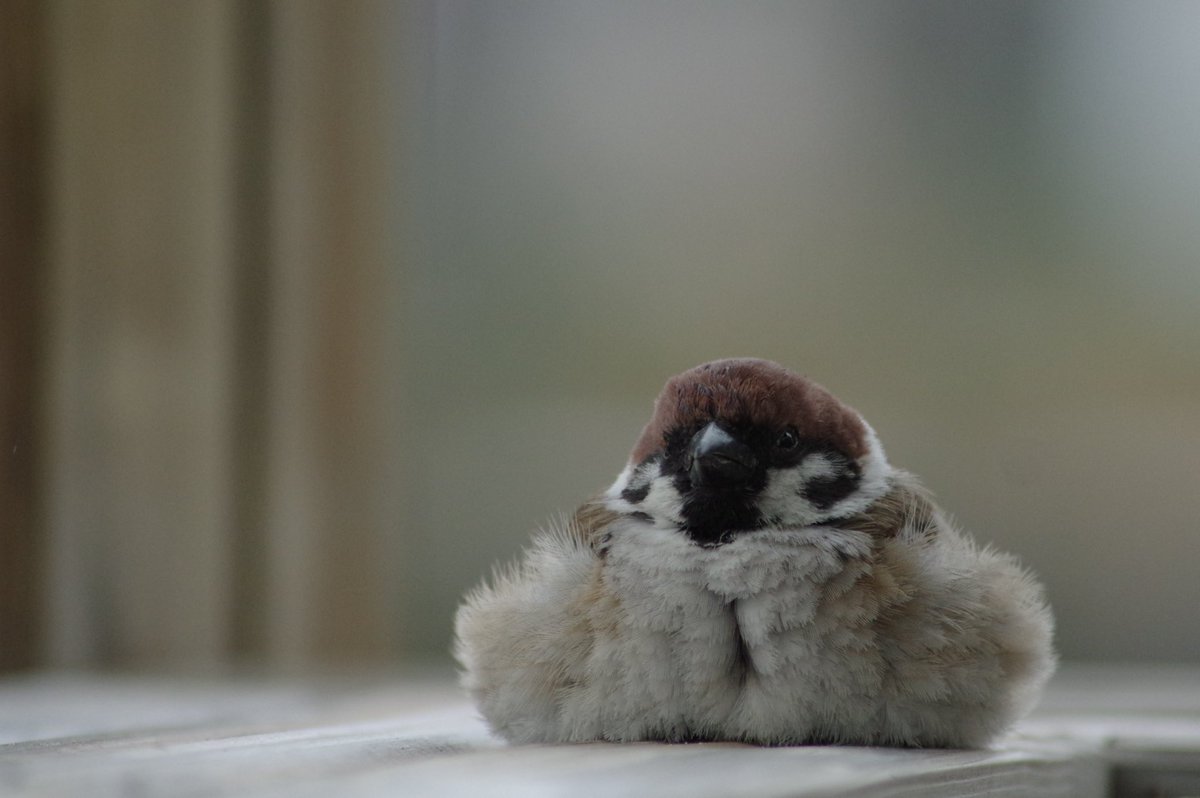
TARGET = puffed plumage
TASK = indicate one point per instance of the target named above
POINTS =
(758, 573)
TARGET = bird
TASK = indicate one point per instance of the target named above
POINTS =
(757, 573)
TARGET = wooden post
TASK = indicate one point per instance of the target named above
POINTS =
(224, 403)
(140, 350)
(333, 477)
(22, 230)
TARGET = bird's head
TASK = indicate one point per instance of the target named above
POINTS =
(743, 444)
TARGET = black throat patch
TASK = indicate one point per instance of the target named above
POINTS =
(715, 517)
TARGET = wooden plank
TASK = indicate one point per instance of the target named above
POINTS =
(419, 736)
(446, 751)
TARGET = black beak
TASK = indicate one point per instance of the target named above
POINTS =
(720, 460)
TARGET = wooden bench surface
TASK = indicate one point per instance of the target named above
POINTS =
(1101, 730)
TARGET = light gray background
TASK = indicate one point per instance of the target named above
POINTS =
(976, 223)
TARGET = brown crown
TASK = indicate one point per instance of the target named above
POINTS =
(748, 391)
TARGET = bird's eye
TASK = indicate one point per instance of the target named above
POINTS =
(788, 439)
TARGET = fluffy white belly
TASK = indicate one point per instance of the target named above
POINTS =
(766, 635)
(810, 635)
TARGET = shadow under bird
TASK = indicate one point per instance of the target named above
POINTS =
(758, 572)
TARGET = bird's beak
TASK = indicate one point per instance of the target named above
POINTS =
(720, 460)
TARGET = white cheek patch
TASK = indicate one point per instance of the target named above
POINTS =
(663, 501)
(622, 482)
(815, 466)
(659, 498)
(783, 502)
(873, 480)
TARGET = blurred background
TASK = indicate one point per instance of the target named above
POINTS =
(310, 312)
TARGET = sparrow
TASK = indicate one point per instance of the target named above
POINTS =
(758, 572)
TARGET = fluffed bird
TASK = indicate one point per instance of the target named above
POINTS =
(758, 572)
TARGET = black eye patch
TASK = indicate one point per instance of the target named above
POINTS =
(635, 494)
(827, 490)
(639, 482)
